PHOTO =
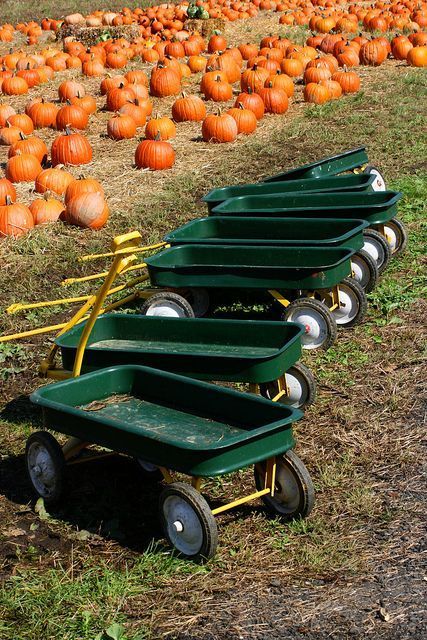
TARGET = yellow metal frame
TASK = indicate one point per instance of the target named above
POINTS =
(331, 295)
(124, 249)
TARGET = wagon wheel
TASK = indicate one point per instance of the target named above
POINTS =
(379, 182)
(396, 235)
(188, 522)
(353, 303)
(45, 464)
(167, 305)
(319, 323)
(294, 491)
(300, 385)
(364, 270)
(199, 300)
(378, 248)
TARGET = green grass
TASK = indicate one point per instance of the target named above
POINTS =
(81, 599)
(24, 10)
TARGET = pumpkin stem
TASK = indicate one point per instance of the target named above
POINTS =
(8, 200)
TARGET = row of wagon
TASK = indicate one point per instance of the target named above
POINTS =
(315, 242)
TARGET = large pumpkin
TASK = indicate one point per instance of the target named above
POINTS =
(88, 210)
(71, 115)
(164, 81)
(188, 108)
(219, 128)
(23, 167)
(71, 148)
(155, 155)
(15, 219)
(6, 189)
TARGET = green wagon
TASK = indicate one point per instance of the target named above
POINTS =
(175, 424)
(311, 283)
(342, 183)
(386, 234)
(283, 232)
(355, 160)
(262, 353)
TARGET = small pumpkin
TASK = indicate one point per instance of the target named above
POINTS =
(55, 180)
(23, 122)
(32, 145)
(417, 56)
(136, 112)
(252, 101)
(9, 135)
(164, 81)
(275, 100)
(121, 126)
(43, 114)
(88, 103)
(160, 128)
(14, 86)
(117, 97)
(245, 119)
(349, 80)
(70, 89)
(80, 186)
(316, 93)
(6, 110)
(46, 209)
(71, 115)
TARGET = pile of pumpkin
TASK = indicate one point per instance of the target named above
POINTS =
(265, 74)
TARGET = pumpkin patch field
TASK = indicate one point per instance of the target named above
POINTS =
(117, 119)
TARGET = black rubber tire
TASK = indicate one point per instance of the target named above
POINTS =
(205, 517)
(361, 299)
(303, 490)
(382, 246)
(270, 389)
(155, 475)
(380, 183)
(198, 299)
(169, 296)
(401, 233)
(46, 441)
(371, 270)
(322, 310)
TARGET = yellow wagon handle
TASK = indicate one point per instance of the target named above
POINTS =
(119, 265)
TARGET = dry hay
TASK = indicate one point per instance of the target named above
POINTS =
(206, 27)
(91, 35)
